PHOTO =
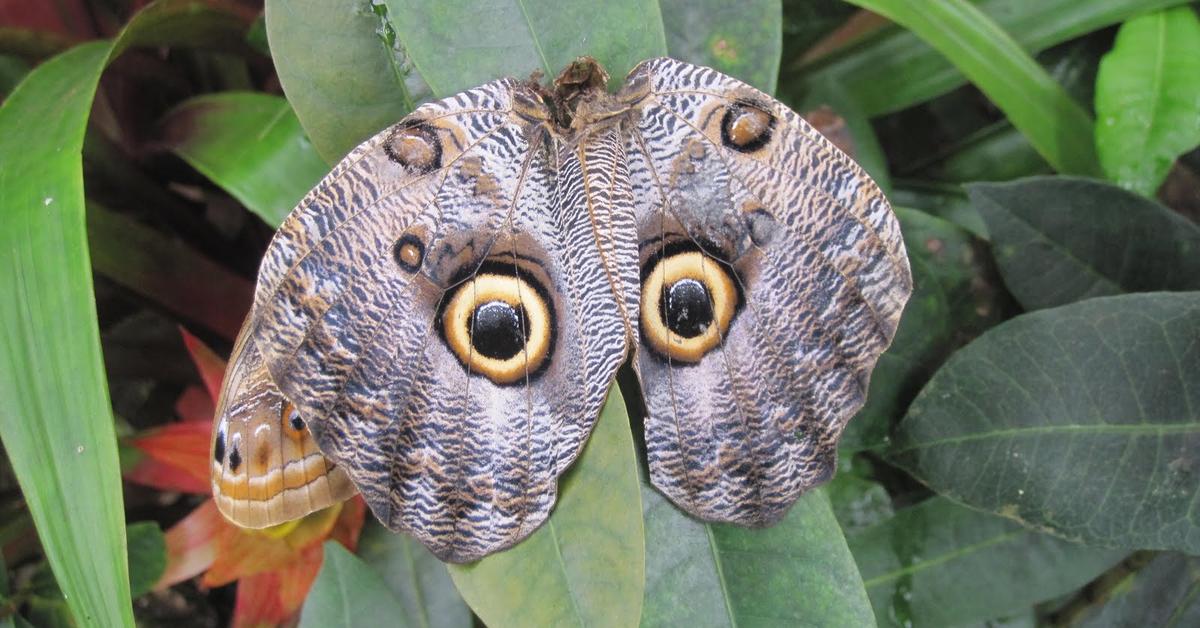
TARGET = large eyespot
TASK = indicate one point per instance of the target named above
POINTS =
(746, 127)
(688, 301)
(415, 145)
(500, 324)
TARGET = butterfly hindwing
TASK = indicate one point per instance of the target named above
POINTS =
(773, 276)
(266, 467)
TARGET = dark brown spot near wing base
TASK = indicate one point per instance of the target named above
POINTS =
(415, 145)
(746, 127)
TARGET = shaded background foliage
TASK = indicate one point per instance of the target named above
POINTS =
(1030, 450)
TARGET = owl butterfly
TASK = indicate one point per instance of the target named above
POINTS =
(438, 322)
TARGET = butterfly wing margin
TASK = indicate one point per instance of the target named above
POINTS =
(814, 254)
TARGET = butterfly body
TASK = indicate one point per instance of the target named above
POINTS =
(449, 307)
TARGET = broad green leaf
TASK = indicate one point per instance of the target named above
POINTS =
(147, 555)
(340, 69)
(251, 145)
(1165, 592)
(349, 68)
(941, 564)
(895, 69)
(797, 572)
(167, 271)
(585, 565)
(460, 47)
(953, 298)
(947, 201)
(55, 418)
(348, 593)
(1082, 420)
(858, 501)
(1055, 124)
(416, 577)
(1148, 98)
(1059, 240)
(741, 39)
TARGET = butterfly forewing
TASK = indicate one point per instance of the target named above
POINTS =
(440, 310)
(742, 207)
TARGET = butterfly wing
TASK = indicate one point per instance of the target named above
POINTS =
(266, 468)
(425, 309)
(773, 276)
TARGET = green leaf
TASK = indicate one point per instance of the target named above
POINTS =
(147, 555)
(1166, 592)
(940, 564)
(55, 418)
(250, 144)
(348, 593)
(1059, 240)
(416, 577)
(858, 501)
(947, 201)
(340, 69)
(741, 39)
(335, 57)
(1055, 124)
(584, 566)
(458, 48)
(1082, 420)
(796, 572)
(895, 69)
(953, 299)
(1148, 98)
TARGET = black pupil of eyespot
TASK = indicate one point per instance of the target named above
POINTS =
(498, 329)
(297, 422)
(686, 308)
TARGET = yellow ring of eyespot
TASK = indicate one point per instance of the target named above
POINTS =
(699, 267)
(517, 292)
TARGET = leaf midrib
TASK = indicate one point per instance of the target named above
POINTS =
(924, 564)
(1159, 429)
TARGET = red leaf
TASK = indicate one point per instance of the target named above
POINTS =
(196, 405)
(275, 597)
(210, 365)
(191, 544)
(181, 451)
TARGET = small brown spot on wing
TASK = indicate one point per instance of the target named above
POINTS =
(746, 127)
(415, 145)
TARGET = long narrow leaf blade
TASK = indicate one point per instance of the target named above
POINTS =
(55, 416)
(1056, 125)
